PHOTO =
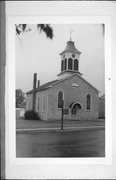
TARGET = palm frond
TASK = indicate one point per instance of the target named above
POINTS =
(47, 29)
(24, 27)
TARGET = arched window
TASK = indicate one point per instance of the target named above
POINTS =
(62, 65)
(65, 64)
(76, 64)
(60, 98)
(43, 103)
(88, 102)
(70, 63)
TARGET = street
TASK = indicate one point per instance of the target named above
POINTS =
(81, 143)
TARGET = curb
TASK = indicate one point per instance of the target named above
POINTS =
(66, 129)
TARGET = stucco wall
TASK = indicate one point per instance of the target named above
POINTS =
(101, 108)
(76, 94)
(29, 101)
(38, 103)
(71, 94)
(40, 97)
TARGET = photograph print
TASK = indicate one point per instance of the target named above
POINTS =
(60, 90)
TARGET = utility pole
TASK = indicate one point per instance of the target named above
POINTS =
(62, 115)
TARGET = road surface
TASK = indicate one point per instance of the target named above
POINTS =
(81, 143)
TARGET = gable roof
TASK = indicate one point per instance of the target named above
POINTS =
(44, 86)
(80, 78)
(102, 97)
(54, 82)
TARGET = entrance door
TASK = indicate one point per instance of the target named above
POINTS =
(75, 111)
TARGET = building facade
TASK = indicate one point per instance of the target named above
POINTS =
(102, 107)
(79, 97)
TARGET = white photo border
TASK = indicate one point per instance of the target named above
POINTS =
(10, 91)
(11, 124)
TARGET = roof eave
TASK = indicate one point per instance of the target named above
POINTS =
(70, 52)
(70, 71)
(89, 83)
(50, 86)
(80, 77)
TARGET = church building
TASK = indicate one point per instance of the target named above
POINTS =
(79, 97)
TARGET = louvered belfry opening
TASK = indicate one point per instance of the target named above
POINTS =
(76, 65)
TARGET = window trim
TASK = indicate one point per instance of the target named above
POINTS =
(38, 104)
(62, 65)
(43, 101)
(29, 104)
(65, 64)
(77, 64)
(57, 97)
(74, 104)
(72, 64)
(90, 102)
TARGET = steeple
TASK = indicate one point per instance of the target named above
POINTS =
(71, 48)
(69, 60)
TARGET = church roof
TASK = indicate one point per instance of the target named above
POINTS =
(70, 48)
(44, 86)
(51, 83)
(102, 97)
(70, 71)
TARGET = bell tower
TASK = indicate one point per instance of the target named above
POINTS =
(69, 60)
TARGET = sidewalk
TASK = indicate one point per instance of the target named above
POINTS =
(21, 131)
(28, 126)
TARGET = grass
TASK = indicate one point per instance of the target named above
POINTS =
(21, 123)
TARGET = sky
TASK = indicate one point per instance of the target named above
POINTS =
(35, 53)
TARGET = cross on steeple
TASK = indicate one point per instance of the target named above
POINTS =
(71, 34)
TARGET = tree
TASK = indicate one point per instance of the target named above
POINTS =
(46, 28)
(20, 98)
